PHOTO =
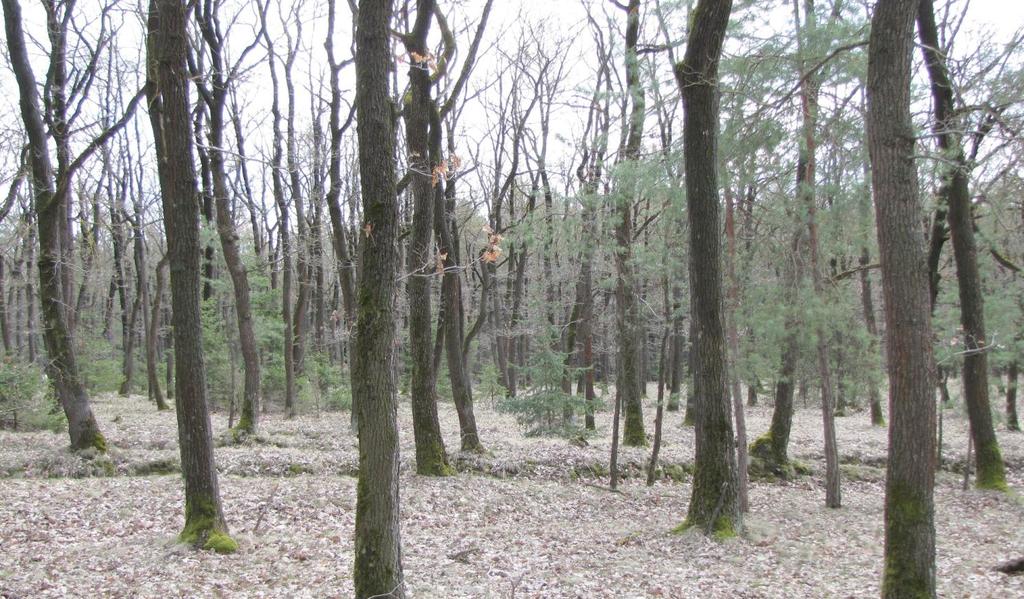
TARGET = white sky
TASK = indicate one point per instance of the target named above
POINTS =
(994, 20)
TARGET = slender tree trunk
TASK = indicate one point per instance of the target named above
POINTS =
(771, 449)
(152, 334)
(732, 307)
(378, 552)
(346, 267)
(631, 376)
(910, 475)
(431, 458)
(216, 100)
(714, 506)
(169, 113)
(954, 189)
(1012, 421)
(286, 247)
(868, 302)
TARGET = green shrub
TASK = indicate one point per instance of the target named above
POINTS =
(26, 403)
(542, 408)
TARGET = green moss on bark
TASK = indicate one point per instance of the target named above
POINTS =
(220, 543)
(907, 514)
(203, 528)
(91, 440)
(435, 468)
(724, 528)
(991, 472)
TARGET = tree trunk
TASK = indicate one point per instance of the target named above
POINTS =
(216, 100)
(62, 366)
(378, 553)
(431, 458)
(631, 376)
(285, 245)
(714, 506)
(868, 302)
(909, 569)
(169, 113)
(732, 307)
(954, 190)
(152, 333)
(1012, 422)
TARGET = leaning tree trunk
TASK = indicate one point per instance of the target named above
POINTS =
(955, 192)
(49, 204)
(714, 505)
(378, 552)
(169, 112)
(909, 569)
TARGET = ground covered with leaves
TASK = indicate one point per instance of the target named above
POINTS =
(530, 518)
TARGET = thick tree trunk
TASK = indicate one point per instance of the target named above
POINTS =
(378, 553)
(955, 192)
(62, 366)
(169, 113)
(910, 475)
(714, 506)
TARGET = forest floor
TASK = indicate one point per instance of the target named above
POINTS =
(531, 518)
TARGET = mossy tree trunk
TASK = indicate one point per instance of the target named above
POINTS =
(770, 450)
(431, 458)
(714, 505)
(910, 475)
(631, 374)
(169, 113)
(50, 206)
(954, 190)
(378, 553)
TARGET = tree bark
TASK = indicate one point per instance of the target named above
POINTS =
(378, 553)
(216, 100)
(169, 113)
(1012, 421)
(714, 506)
(954, 190)
(909, 569)
(431, 458)
(631, 376)
(62, 366)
